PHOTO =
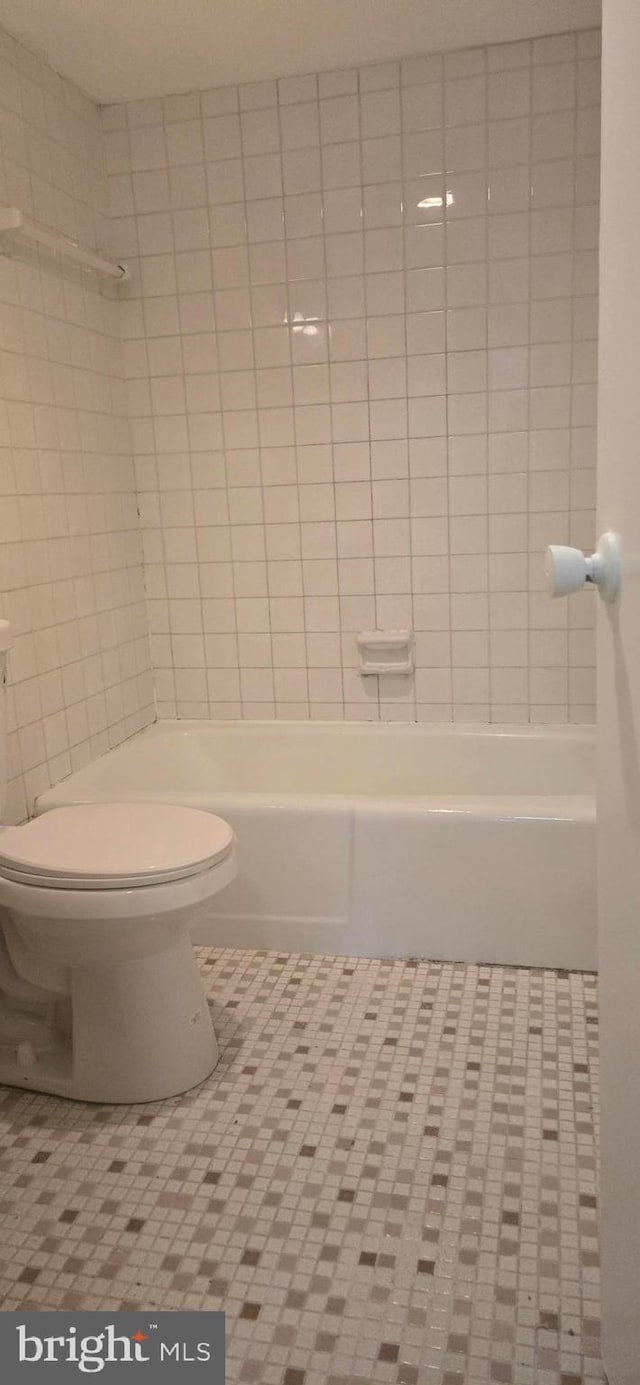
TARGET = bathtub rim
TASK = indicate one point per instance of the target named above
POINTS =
(479, 807)
(584, 732)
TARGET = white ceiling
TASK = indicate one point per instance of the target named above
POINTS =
(122, 50)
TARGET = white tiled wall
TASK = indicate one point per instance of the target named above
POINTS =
(361, 353)
(70, 558)
(361, 392)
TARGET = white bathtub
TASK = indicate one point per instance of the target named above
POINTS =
(467, 843)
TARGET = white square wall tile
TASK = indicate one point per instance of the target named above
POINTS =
(381, 289)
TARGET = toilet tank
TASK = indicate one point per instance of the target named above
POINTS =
(5, 645)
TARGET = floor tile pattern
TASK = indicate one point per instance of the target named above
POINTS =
(390, 1177)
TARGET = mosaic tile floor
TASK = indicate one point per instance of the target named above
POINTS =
(389, 1177)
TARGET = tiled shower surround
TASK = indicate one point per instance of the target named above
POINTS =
(360, 344)
(389, 1177)
(360, 347)
(70, 554)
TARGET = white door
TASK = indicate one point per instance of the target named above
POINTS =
(619, 693)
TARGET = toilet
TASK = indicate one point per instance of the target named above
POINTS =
(101, 998)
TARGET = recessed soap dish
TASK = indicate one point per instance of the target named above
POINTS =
(385, 651)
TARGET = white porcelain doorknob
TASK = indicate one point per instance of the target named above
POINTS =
(569, 569)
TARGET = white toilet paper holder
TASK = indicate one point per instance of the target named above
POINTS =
(567, 570)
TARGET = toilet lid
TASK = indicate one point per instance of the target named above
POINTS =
(114, 845)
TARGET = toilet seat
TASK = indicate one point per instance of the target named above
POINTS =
(102, 846)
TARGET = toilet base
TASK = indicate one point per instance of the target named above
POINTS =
(140, 1031)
